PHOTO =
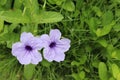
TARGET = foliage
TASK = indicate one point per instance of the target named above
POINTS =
(93, 26)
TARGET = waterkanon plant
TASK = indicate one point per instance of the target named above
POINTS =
(27, 50)
(59, 39)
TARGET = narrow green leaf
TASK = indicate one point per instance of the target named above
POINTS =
(29, 71)
(48, 17)
(103, 74)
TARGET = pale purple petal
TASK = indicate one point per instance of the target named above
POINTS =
(45, 39)
(38, 43)
(63, 44)
(59, 56)
(49, 54)
(55, 34)
(36, 57)
(25, 59)
(25, 37)
(35, 42)
(18, 49)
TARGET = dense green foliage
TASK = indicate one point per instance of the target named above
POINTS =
(93, 26)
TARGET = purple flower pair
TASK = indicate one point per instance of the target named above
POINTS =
(27, 50)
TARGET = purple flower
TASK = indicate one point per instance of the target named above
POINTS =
(54, 47)
(26, 50)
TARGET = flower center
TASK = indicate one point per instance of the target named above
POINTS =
(29, 48)
(52, 44)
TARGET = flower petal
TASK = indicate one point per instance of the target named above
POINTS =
(63, 44)
(59, 56)
(45, 40)
(55, 34)
(35, 42)
(36, 57)
(25, 36)
(26, 59)
(18, 49)
(49, 54)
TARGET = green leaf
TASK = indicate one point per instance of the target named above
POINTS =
(48, 17)
(12, 27)
(103, 74)
(75, 63)
(82, 61)
(45, 63)
(52, 1)
(117, 27)
(32, 5)
(79, 76)
(93, 23)
(57, 2)
(97, 11)
(103, 42)
(115, 70)
(118, 76)
(12, 39)
(68, 5)
(9, 38)
(112, 78)
(17, 4)
(75, 76)
(107, 18)
(29, 71)
(105, 30)
(95, 63)
(1, 24)
(29, 28)
(116, 54)
(14, 16)
(82, 75)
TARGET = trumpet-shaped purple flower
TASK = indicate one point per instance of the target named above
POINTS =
(54, 47)
(26, 50)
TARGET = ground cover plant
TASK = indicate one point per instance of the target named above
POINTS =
(92, 30)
